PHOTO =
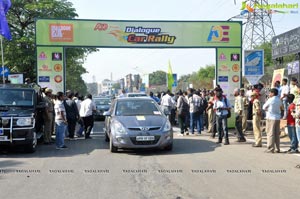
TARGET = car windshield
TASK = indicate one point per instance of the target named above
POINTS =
(102, 101)
(10, 97)
(136, 107)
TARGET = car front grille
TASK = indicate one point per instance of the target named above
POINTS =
(152, 142)
(155, 128)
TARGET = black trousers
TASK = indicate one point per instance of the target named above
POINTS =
(71, 127)
(88, 123)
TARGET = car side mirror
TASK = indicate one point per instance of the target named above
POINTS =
(106, 113)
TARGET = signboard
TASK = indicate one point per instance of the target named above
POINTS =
(145, 34)
(4, 71)
(253, 79)
(229, 69)
(254, 62)
(277, 76)
(16, 78)
(286, 43)
(175, 80)
(50, 68)
(293, 68)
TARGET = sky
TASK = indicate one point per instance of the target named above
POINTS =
(118, 62)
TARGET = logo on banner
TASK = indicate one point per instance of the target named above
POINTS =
(56, 56)
(235, 57)
(219, 34)
(143, 35)
(61, 32)
(44, 79)
(222, 57)
(42, 56)
(45, 68)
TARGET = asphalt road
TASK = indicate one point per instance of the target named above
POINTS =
(197, 168)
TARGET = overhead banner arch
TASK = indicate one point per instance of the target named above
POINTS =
(53, 36)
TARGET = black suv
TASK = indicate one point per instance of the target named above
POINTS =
(21, 109)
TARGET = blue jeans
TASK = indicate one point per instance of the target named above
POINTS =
(298, 133)
(195, 119)
(60, 133)
(293, 137)
(285, 107)
(222, 126)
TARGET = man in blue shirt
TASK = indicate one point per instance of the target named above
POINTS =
(273, 107)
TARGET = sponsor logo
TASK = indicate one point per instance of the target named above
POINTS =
(223, 78)
(235, 78)
(235, 68)
(222, 57)
(224, 68)
(44, 79)
(45, 68)
(58, 78)
(142, 35)
(58, 67)
(61, 32)
(271, 8)
(42, 56)
(219, 34)
(235, 57)
(56, 56)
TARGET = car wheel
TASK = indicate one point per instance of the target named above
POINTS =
(169, 147)
(112, 148)
(31, 148)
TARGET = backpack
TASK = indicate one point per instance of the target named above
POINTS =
(185, 106)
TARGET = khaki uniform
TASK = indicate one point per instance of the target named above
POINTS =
(256, 122)
(245, 113)
(48, 117)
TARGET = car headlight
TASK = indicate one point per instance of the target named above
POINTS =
(24, 121)
(117, 127)
(167, 126)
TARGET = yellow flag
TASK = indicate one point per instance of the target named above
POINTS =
(170, 77)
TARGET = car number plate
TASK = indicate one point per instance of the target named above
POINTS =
(3, 138)
(145, 138)
(1, 132)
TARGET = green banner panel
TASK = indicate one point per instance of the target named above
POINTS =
(229, 73)
(50, 68)
(138, 34)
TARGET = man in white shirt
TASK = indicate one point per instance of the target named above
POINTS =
(285, 90)
(167, 102)
(86, 113)
(273, 107)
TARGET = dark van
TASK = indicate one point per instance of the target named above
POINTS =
(21, 109)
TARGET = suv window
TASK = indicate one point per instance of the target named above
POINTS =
(16, 97)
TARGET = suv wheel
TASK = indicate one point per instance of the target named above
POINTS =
(31, 148)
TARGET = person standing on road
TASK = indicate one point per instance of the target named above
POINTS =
(292, 114)
(256, 118)
(183, 111)
(285, 90)
(72, 114)
(221, 108)
(210, 114)
(167, 103)
(273, 107)
(245, 111)
(48, 116)
(60, 121)
(238, 110)
(86, 113)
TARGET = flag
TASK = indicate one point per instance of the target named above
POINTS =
(4, 29)
(170, 77)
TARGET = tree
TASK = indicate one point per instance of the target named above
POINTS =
(158, 78)
(20, 53)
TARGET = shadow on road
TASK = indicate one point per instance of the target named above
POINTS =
(180, 146)
(75, 147)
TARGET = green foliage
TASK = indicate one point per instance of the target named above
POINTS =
(158, 78)
(20, 55)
